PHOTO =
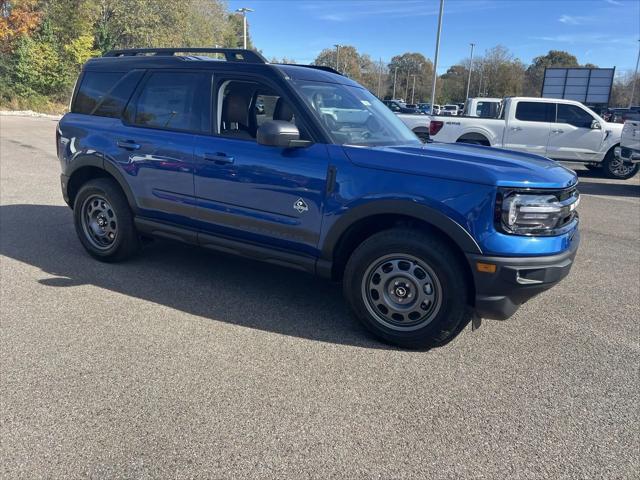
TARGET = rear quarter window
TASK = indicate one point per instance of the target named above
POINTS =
(93, 88)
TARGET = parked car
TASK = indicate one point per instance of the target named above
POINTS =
(629, 149)
(421, 236)
(399, 107)
(621, 115)
(427, 110)
(424, 108)
(558, 129)
(483, 107)
(449, 110)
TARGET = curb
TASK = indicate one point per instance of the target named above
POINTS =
(28, 113)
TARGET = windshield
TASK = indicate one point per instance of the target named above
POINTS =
(353, 116)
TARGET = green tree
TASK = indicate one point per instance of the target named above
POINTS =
(360, 68)
(37, 68)
(453, 84)
(535, 72)
(403, 69)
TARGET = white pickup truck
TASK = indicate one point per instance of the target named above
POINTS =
(629, 149)
(555, 128)
(419, 124)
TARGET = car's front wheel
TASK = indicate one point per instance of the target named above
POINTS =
(104, 222)
(407, 287)
(615, 167)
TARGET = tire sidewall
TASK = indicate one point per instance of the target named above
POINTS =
(453, 292)
(610, 157)
(99, 188)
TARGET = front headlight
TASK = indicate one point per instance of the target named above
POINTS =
(527, 212)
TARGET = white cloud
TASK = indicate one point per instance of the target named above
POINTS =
(574, 20)
(614, 2)
(593, 38)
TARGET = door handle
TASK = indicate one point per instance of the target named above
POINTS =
(128, 144)
(218, 158)
(516, 129)
(557, 130)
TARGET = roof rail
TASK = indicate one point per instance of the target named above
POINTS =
(316, 67)
(230, 54)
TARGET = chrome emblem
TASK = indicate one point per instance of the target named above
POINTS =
(300, 206)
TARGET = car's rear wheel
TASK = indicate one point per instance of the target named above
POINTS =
(104, 222)
(408, 288)
(616, 168)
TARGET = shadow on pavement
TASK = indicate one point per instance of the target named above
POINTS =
(610, 189)
(193, 280)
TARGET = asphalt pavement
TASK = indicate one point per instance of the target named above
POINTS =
(188, 364)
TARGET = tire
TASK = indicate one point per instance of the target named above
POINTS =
(104, 222)
(484, 143)
(406, 262)
(615, 168)
(422, 136)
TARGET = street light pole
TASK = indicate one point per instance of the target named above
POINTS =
(337, 56)
(435, 60)
(635, 77)
(380, 79)
(244, 11)
(395, 77)
(413, 89)
(470, 68)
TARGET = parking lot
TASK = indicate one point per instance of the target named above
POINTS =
(185, 363)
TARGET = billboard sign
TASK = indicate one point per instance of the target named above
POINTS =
(591, 86)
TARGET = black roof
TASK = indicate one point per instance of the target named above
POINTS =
(234, 60)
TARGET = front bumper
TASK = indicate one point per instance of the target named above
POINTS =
(517, 279)
(629, 155)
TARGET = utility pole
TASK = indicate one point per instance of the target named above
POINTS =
(380, 78)
(337, 56)
(635, 77)
(244, 11)
(435, 61)
(406, 89)
(470, 68)
(413, 89)
(395, 77)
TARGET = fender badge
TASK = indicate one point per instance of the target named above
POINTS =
(300, 206)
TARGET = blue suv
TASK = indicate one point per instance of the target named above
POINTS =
(299, 166)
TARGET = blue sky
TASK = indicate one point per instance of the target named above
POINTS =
(604, 32)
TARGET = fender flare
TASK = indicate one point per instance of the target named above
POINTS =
(450, 227)
(82, 161)
(490, 136)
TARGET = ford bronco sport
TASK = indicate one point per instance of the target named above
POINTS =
(300, 166)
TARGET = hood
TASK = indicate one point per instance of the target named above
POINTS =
(467, 163)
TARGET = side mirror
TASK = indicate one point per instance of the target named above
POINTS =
(595, 125)
(278, 133)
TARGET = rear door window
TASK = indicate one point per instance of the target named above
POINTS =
(173, 101)
(535, 111)
(93, 88)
